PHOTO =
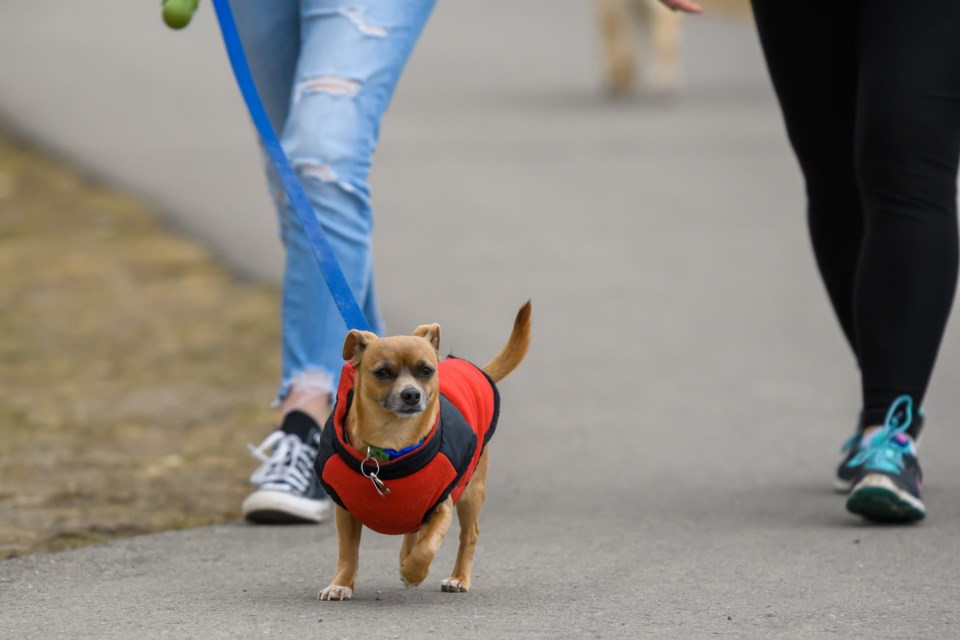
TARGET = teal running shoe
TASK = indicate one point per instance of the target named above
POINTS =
(887, 485)
(848, 474)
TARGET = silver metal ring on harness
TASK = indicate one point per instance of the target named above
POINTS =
(381, 488)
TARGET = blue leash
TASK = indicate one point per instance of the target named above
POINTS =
(329, 266)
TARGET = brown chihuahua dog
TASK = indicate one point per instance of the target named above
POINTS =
(406, 443)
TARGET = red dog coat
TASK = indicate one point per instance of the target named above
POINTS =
(424, 477)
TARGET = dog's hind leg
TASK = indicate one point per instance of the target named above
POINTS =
(348, 543)
(468, 513)
(415, 567)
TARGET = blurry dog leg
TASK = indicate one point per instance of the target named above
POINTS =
(665, 75)
(618, 48)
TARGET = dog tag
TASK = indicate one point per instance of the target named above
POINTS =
(381, 488)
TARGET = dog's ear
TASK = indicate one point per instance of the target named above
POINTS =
(355, 343)
(431, 332)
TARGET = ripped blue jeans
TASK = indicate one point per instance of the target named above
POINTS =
(326, 70)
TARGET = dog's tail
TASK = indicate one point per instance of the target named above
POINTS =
(516, 348)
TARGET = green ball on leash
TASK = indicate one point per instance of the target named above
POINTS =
(178, 13)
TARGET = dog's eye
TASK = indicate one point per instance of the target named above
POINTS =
(382, 373)
(425, 371)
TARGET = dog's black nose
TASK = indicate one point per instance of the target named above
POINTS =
(410, 396)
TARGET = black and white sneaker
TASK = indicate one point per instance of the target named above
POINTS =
(887, 486)
(287, 487)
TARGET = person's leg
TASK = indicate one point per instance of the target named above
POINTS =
(270, 32)
(351, 57)
(810, 53)
(907, 150)
(325, 71)
(271, 36)
(812, 61)
(287, 490)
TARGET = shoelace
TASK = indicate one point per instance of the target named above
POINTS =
(881, 452)
(851, 442)
(290, 462)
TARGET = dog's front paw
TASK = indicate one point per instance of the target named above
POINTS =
(336, 592)
(455, 585)
(413, 571)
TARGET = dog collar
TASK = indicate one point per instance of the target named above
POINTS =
(386, 455)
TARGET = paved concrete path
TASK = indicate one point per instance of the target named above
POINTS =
(664, 459)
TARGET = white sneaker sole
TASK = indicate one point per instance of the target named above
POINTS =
(842, 486)
(876, 497)
(275, 507)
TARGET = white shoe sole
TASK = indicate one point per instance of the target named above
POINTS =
(281, 507)
(842, 486)
(876, 497)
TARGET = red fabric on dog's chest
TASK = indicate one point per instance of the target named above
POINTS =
(400, 512)
(421, 479)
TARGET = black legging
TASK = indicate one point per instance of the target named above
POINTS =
(870, 92)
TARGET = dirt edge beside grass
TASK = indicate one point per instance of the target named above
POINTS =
(133, 367)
